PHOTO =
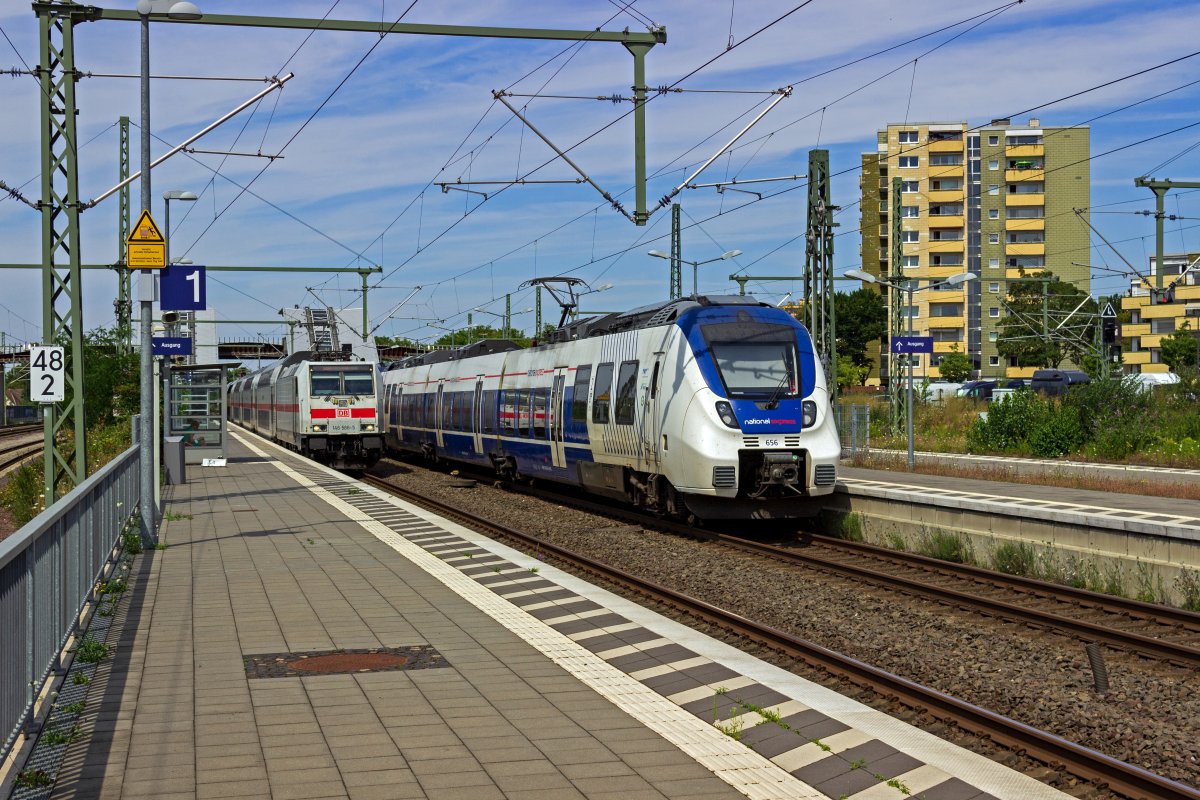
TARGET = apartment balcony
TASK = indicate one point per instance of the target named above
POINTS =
(944, 322)
(1140, 357)
(1025, 249)
(946, 146)
(1025, 151)
(1012, 273)
(949, 347)
(945, 221)
(947, 171)
(1022, 175)
(1152, 341)
(1025, 224)
(1130, 330)
(1025, 199)
(946, 196)
(957, 296)
(1165, 311)
(943, 271)
(946, 246)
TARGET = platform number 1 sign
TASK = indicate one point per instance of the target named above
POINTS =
(47, 373)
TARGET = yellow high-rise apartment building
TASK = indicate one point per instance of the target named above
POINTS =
(1154, 315)
(996, 201)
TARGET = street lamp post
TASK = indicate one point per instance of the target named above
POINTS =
(697, 264)
(908, 287)
(168, 196)
(147, 465)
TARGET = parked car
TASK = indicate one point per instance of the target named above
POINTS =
(977, 390)
(938, 392)
(1057, 381)
(1016, 383)
(1150, 380)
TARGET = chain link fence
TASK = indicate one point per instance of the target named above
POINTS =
(854, 428)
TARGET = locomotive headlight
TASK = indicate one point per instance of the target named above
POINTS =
(810, 413)
(318, 428)
(368, 426)
(725, 412)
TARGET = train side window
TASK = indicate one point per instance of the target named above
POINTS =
(489, 411)
(602, 394)
(583, 376)
(654, 382)
(626, 392)
(539, 413)
(523, 415)
(508, 411)
(464, 411)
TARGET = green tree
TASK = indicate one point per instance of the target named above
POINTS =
(1036, 339)
(1179, 350)
(110, 378)
(955, 367)
(849, 373)
(861, 320)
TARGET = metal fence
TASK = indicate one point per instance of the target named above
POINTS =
(47, 571)
(854, 428)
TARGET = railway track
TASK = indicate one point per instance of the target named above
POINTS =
(18, 443)
(1083, 762)
(1145, 629)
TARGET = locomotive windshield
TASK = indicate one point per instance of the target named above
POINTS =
(758, 370)
(755, 359)
(328, 382)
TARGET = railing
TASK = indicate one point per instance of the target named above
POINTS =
(48, 570)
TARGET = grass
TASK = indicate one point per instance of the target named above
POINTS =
(74, 708)
(171, 516)
(33, 779)
(945, 546)
(60, 736)
(79, 679)
(90, 650)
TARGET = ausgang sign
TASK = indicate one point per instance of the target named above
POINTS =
(146, 248)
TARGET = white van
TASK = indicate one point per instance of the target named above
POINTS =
(1148, 380)
(940, 391)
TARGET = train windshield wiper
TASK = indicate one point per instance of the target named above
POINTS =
(776, 395)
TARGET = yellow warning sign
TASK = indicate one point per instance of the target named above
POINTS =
(146, 248)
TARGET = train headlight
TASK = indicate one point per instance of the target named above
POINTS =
(319, 428)
(368, 426)
(810, 413)
(725, 412)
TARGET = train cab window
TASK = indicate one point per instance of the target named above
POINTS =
(359, 383)
(326, 384)
(602, 394)
(539, 413)
(626, 392)
(583, 376)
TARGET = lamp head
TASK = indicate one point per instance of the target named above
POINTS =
(962, 277)
(730, 254)
(858, 274)
(179, 194)
(184, 10)
(657, 254)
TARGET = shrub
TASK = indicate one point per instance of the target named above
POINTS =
(1015, 558)
(946, 546)
(1058, 433)
(1008, 423)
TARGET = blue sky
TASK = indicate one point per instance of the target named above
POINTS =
(355, 179)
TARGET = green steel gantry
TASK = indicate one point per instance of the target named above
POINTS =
(1160, 189)
(62, 314)
(819, 306)
(676, 288)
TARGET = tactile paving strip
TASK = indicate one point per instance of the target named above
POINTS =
(824, 756)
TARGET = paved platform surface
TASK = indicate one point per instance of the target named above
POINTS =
(521, 682)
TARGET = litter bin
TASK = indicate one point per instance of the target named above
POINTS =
(173, 459)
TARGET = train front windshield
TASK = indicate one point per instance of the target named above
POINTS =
(755, 360)
(330, 382)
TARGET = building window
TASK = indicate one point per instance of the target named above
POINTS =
(994, 263)
(908, 262)
(994, 313)
(909, 162)
(993, 361)
(945, 160)
(994, 164)
(993, 336)
(946, 334)
(908, 137)
(993, 141)
(910, 237)
(1166, 325)
(993, 238)
(910, 187)
(910, 211)
(994, 287)
(945, 309)
(993, 213)
(994, 189)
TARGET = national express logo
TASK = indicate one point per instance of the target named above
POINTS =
(769, 422)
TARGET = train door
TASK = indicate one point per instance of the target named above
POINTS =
(477, 415)
(437, 416)
(557, 417)
(650, 426)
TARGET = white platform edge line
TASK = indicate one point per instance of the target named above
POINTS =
(977, 770)
(754, 776)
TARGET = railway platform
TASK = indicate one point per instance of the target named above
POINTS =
(304, 636)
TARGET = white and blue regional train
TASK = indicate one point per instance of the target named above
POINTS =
(708, 407)
(317, 404)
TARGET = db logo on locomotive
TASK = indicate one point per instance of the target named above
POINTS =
(342, 412)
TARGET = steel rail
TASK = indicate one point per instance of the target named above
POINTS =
(1148, 646)
(1048, 748)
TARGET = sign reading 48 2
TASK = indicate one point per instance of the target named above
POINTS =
(47, 374)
